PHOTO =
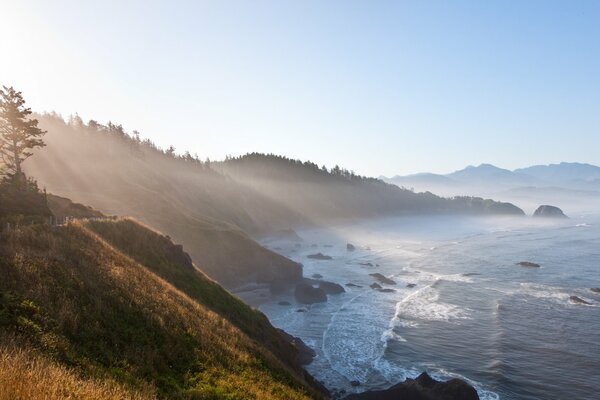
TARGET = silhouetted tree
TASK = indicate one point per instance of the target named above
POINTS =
(19, 134)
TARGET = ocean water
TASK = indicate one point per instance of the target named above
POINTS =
(511, 331)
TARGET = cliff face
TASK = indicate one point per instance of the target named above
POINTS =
(110, 300)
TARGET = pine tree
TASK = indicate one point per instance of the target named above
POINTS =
(19, 134)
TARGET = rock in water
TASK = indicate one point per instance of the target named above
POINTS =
(319, 256)
(383, 279)
(317, 276)
(549, 212)
(423, 387)
(350, 247)
(331, 287)
(375, 286)
(307, 294)
(579, 300)
(528, 264)
(595, 289)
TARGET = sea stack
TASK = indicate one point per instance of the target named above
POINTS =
(547, 211)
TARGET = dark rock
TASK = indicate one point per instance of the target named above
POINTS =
(353, 285)
(375, 286)
(317, 276)
(528, 264)
(350, 247)
(305, 353)
(307, 294)
(366, 264)
(595, 289)
(319, 256)
(381, 278)
(331, 287)
(284, 303)
(579, 300)
(422, 388)
(549, 212)
(301, 310)
(411, 285)
(354, 383)
(387, 290)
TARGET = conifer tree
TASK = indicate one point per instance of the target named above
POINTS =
(19, 134)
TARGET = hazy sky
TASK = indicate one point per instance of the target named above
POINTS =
(378, 87)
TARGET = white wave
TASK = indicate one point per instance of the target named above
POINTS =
(544, 292)
(424, 305)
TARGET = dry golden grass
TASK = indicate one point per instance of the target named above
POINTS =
(25, 376)
(106, 312)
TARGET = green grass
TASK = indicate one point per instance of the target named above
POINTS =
(114, 300)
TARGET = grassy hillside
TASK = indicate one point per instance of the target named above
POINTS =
(118, 307)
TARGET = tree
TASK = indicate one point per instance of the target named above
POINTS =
(19, 134)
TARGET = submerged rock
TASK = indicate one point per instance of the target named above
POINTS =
(307, 294)
(319, 256)
(353, 285)
(284, 303)
(411, 285)
(579, 300)
(387, 290)
(375, 286)
(366, 264)
(350, 247)
(331, 287)
(317, 276)
(549, 212)
(423, 387)
(383, 279)
(528, 264)
(595, 289)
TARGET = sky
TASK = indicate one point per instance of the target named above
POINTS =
(378, 87)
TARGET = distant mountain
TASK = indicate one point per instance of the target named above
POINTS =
(563, 172)
(487, 173)
(575, 185)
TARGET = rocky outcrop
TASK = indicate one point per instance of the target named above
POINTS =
(383, 279)
(305, 353)
(528, 264)
(331, 287)
(350, 247)
(579, 300)
(375, 286)
(423, 387)
(595, 289)
(307, 294)
(547, 211)
(319, 256)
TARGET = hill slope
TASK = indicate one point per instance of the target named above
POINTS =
(198, 207)
(321, 195)
(137, 312)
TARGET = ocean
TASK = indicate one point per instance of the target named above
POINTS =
(461, 306)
